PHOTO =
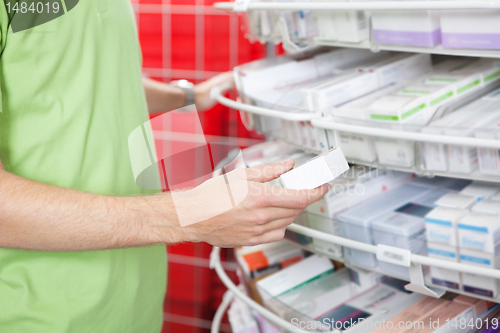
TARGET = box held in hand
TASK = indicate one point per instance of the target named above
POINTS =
(318, 171)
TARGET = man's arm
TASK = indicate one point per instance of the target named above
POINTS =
(163, 97)
(36, 216)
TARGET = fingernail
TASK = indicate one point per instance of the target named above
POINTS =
(288, 162)
(328, 187)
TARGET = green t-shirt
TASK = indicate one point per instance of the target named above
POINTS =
(71, 93)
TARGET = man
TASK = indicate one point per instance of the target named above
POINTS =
(81, 245)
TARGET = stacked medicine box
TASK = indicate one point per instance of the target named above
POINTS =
(464, 228)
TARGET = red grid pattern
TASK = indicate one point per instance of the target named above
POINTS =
(189, 39)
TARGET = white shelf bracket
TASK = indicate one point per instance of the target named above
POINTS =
(402, 257)
(417, 283)
(288, 44)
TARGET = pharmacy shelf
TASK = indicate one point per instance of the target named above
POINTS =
(216, 264)
(374, 6)
(364, 5)
(234, 291)
(326, 123)
(417, 137)
(412, 49)
(476, 175)
(406, 135)
(415, 259)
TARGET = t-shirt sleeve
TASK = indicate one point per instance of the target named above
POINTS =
(4, 25)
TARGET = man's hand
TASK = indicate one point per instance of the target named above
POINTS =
(163, 97)
(36, 216)
(202, 90)
(261, 217)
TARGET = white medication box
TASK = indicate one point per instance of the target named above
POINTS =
(441, 276)
(456, 200)
(412, 28)
(440, 225)
(357, 146)
(463, 159)
(487, 206)
(325, 25)
(343, 88)
(294, 276)
(436, 154)
(489, 159)
(356, 223)
(401, 67)
(363, 279)
(349, 192)
(390, 111)
(329, 226)
(480, 232)
(481, 190)
(471, 29)
(477, 284)
(320, 170)
(351, 26)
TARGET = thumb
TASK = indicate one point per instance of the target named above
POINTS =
(267, 172)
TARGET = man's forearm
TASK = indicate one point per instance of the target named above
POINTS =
(37, 216)
(162, 97)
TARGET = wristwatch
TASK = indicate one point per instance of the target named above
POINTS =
(188, 88)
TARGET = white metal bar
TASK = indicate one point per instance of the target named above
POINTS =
(224, 305)
(413, 136)
(439, 49)
(382, 5)
(292, 116)
(216, 264)
(417, 259)
(316, 120)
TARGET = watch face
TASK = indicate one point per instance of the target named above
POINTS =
(184, 84)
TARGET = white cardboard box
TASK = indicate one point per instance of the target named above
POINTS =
(489, 159)
(351, 26)
(318, 171)
(456, 200)
(356, 223)
(487, 206)
(441, 276)
(294, 275)
(481, 190)
(470, 29)
(480, 232)
(441, 225)
(412, 28)
(399, 68)
(477, 284)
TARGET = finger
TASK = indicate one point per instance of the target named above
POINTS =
(224, 80)
(268, 215)
(267, 172)
(272, 236)
(287, 198)
(279, 224)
